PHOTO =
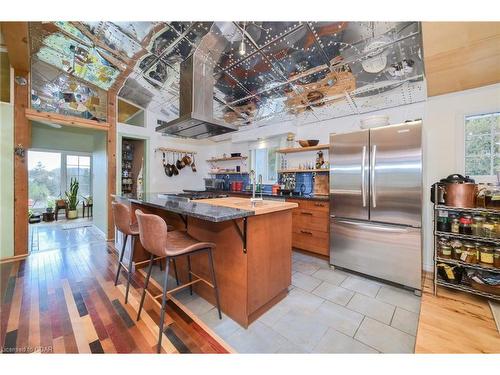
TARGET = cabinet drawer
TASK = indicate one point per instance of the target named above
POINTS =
(309, 219)
(311, 240)
(322, 206)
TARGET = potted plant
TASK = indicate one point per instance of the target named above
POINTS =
(72, 199)
(50, 206)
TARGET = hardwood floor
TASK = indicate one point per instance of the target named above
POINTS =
(455, 322)
(65, 301)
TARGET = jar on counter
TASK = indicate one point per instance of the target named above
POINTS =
(477, 225)
(465, 224)
(496, 257)
(486, 255)
(445, 251)
(456, 247)
(488, 229)
(455, 225)
(469, 253)
(496, 229)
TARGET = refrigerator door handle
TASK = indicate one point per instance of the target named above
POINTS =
(363, 178)
(374, 227)
(373, 189)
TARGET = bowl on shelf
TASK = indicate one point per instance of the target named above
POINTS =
(308, 142)
(374, 121)
(236, 154)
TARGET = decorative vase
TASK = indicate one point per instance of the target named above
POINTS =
(72, 214)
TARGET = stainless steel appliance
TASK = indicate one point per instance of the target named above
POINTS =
(376, 202)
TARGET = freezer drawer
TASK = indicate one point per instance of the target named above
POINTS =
(389, 252)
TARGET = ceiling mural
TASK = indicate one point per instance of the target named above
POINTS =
(264, 72)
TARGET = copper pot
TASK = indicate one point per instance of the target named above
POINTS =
(461, 194)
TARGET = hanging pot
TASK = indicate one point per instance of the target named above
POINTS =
(179, 163)
(175, 171)
(186, 159)
(168, 169)
(193, 166)
(460, 191)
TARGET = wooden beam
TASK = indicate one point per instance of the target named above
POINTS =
(460, 55)
(111, 153)
(22, 141)
(16, 39)
(73, 121)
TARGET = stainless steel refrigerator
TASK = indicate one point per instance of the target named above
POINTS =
(376, 202)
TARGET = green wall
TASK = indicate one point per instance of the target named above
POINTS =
(6, 180)
(99, 182)
(62, 139)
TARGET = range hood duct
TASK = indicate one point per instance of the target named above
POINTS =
(196, 103)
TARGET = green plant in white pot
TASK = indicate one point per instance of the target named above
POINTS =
(72, 199)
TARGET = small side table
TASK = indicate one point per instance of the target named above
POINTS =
(90, 209)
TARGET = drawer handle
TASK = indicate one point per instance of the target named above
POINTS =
(306, 213)
(319, 204)
(306, 232)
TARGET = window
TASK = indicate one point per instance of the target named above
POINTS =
(79, 167)
(264, 162)
(482, 144)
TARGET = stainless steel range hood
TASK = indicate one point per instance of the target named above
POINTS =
(196, 103)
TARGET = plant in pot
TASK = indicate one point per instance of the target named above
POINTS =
(72, 199)
(50, 206)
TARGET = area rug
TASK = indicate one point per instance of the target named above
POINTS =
(75, 225)
(495, 310)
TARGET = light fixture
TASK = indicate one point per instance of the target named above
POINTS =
(243, 48)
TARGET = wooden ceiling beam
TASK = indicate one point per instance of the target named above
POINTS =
(16, 39)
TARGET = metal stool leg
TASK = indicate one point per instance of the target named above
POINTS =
(161, 264)
(121, 259)
(190, 277)
(163, 303)
(175, 271)
(212, 272)
(145, 286)
(132, 243)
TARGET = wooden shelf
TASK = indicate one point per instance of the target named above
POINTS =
(229, 159)
(291, 150)
(303, 170)
(227, 172)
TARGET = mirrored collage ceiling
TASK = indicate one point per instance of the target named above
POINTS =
(264, 72)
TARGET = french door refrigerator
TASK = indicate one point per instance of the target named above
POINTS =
(376, 202)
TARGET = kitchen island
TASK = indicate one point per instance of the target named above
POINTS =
(253, 248)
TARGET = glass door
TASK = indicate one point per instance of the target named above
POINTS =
(44, 178)
(78, 166)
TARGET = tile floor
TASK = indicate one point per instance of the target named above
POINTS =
(326, 311)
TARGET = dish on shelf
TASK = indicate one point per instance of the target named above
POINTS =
(235, 154)
(491, 289)
(308, 142)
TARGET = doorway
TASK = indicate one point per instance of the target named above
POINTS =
(132, 164)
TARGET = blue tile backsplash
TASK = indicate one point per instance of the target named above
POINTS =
(300, 178)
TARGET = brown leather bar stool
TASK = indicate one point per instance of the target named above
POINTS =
(158, 241)
(121, 216)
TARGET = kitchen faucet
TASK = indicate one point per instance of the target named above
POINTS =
(254, 200)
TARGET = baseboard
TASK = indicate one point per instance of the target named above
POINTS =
(100, 232)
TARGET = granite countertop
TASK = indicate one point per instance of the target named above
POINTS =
(209, 212)
(306, 196)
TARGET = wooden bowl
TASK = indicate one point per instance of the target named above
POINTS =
(308, 142)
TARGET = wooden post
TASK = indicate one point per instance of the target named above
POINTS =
(22, 141)
(111, 154)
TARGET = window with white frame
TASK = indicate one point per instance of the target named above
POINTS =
(263, 161)
(482, 145)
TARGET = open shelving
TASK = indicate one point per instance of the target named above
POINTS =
(228, 158)
(477, 266)
(302, 170)
(290, 150)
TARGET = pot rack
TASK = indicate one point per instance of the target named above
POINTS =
(175, 150)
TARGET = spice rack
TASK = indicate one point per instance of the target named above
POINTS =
(456, 262)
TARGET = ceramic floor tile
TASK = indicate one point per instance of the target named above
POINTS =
(405, 321)
(199, 306)
(271, 316)
(305, 267)
(333, 293)
(332, 276)
(224, 327)
(400, 297)
(360, 285)
(384, 338)
(305, 282)
(298, 300)
(372, 307)
(338, 317)
(301, 329)
(258, 338)
(336, 342)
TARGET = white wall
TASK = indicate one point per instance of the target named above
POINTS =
(99, 183)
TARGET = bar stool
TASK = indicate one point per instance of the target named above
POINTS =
(121, 216)
(158, 241)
